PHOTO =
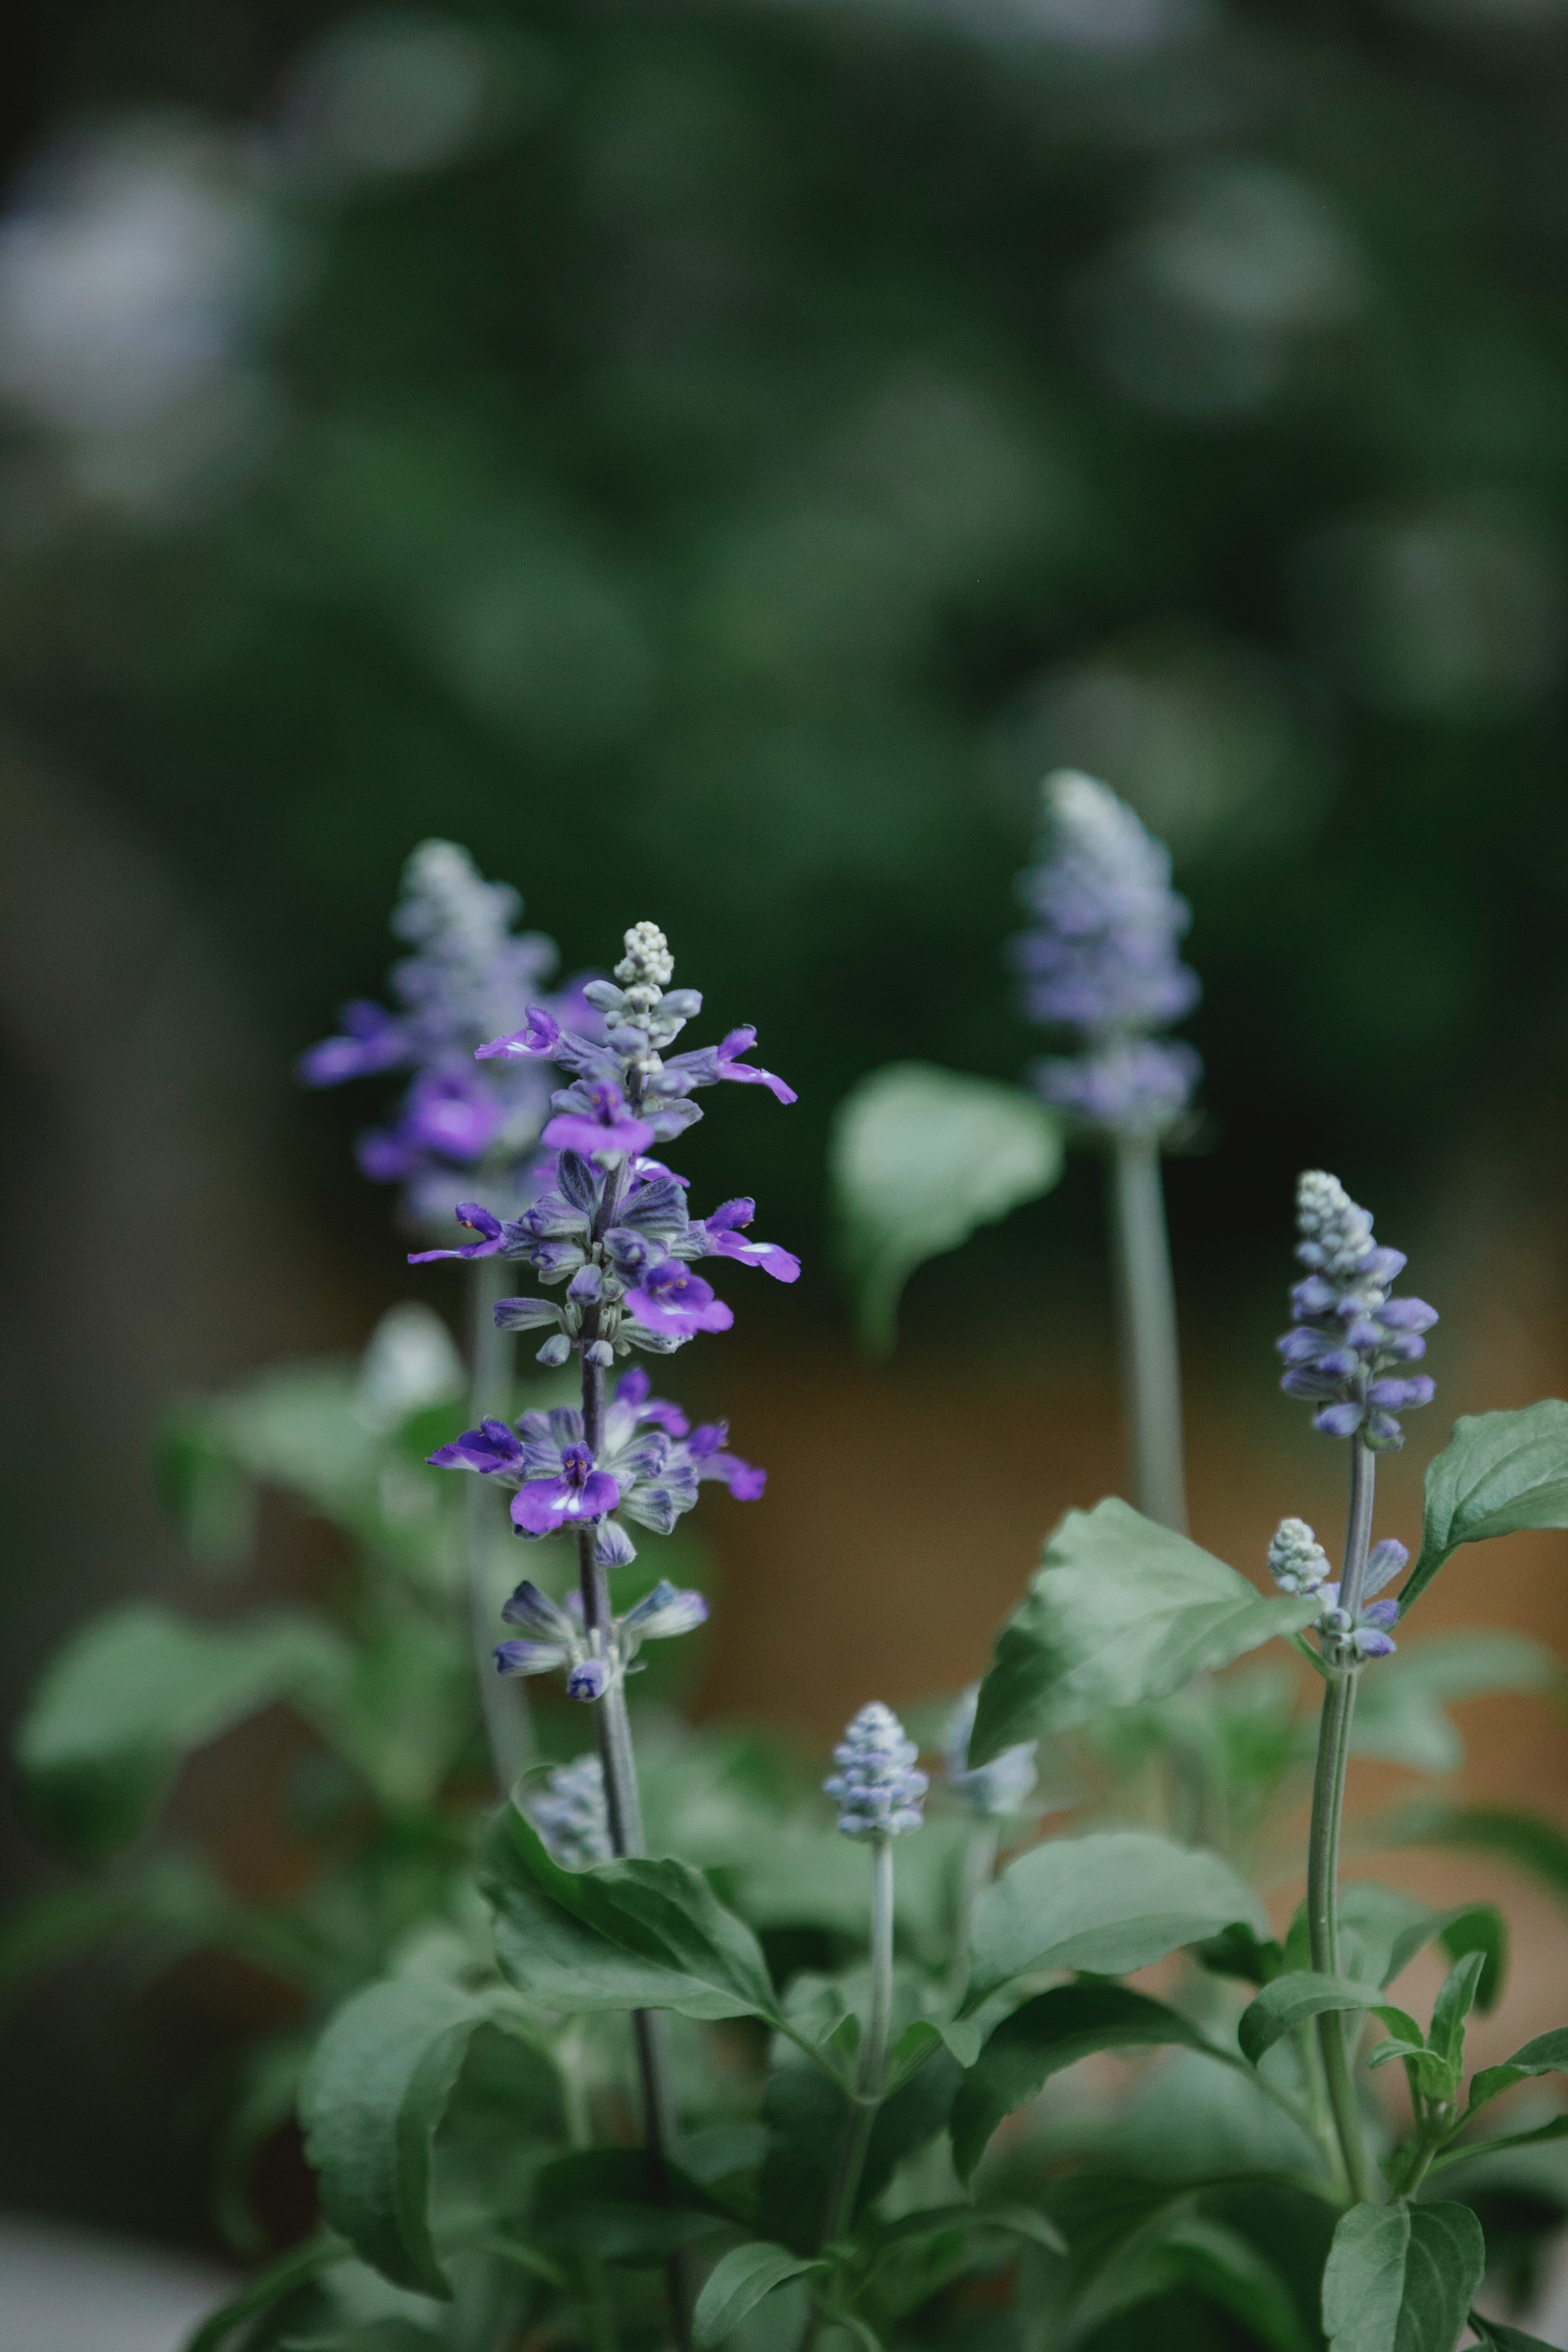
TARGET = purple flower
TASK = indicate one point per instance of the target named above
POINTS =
(632, 1405)
(671, 1299)
(492, 1241)
(572, 1816)
(707, 1448)
(660, 1616)
(591, 1117)
(719, 1236)
(537, 1040)
(1350, 1334)
(492, 1449)
(574, 1494)
(373, 1039)
(589, 1680)
(1101, 959)
(1366, 1636)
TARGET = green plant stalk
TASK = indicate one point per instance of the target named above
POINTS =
(976, 1871)
(1151, 1358)
(870, 2069)
(503, 1702)
(1323, 1838)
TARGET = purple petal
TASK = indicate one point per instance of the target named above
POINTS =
(1407, 1315)
(1373, 1644)
(536, 1041)
(478, 1221)
(1385, 1560)
(571, 1131)
(1334, 1420)
(1398, 1395)
(529, 1657)
(543, 1617)
(373, 1039)
(588, 1680)
(740, 1041)
(1381, 1612)
(540, 1506)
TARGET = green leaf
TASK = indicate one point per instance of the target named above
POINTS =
(605, 2202)
(1294, 1999)
(1499, 1472)
(1547, 2055)
(293, 2270)
(129, 1696)
(1399, 1716)
(623, 1935)
(917, 1158)
(1108, 1903)
(737, 2283)
(1121, 1611)
(1399, 2277)
(1054, 2031)
(1506, 2340)
(1237, 1951)
(371, 2102)
(1533, 1844)
(1455, 1999)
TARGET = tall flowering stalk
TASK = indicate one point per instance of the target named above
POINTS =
(611, 1232)
(456, 1127)
(1101, 962)
(1345, 1354)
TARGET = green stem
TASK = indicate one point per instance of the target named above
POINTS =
(508, 1725)
(870, 2070)
(977, 1870)
(1323, 1842)
(1151, 1358)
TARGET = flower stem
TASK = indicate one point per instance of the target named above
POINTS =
(623, 1802)
(1323, 1843)
(976, 1871)
(866, 2096)
(1150, 1358)
(503, 1703)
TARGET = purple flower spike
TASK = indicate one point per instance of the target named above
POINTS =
(492, 1241)
(592, 1117)
(721, 1238)
(579, 1495)
(670, 1298)
(1350, 1334)
(373, 1039)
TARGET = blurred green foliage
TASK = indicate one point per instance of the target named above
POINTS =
(718, 485)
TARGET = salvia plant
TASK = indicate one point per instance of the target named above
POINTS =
(668, 2046)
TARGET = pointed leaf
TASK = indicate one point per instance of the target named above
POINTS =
(1054, 2031)
(1294, 1999)
(1399, 2277)
(1499, 1472)
(1547, 2055)
(1506, 2340)
(918, 1157)
(1108, 1903)
(1533, 1844)
(128, 1698)
(371, 2102)
(622, 1934)
(1400, 1716)
(1121, 1611)
(737, 2283)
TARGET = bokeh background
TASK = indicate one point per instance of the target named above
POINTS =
(709, 459)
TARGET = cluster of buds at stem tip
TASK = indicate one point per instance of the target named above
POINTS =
(1300, 1566)
(556, 1636)
(878, 1787)
(469, 975)
(571, 1814)
(995, 1788)
(1351, 1339)
(1100, 961)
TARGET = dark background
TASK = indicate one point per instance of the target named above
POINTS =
(710, 460)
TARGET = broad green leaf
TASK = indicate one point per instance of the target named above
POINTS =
(128, 1698)
(621, 1935)
(1238, 1952)
(1108, 1903)
(371, 2102)
(738, 2282)
(283, 2277)
(804, 2111)
(605, 2202)
(1399, 2277)
(1499, 1472)
(1506, 2340)
(1547, 2055)
(1052, 2031)
(917, 1158)
(1121, 1611)
(1399, 1716)
(1294, 1999)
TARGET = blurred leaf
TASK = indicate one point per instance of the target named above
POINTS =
(1122, 1610)
(622, 1934)
(1506, 2340)
(132, 1694)
(1400, 2277)
(1110, 1904)
(1399, 1715)
(293, 2270)
(1499, 1472)
(918, 1157)
(371, 2101)
(737, 2282)
(1537, 1846)
(1295, 1999)
(1054, 2031)
(1238, 1951)
(204, 1489)
(604, 2203)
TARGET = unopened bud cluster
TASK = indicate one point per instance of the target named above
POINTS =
(878, 1787)
(1300, 1565)
(572, 1816)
